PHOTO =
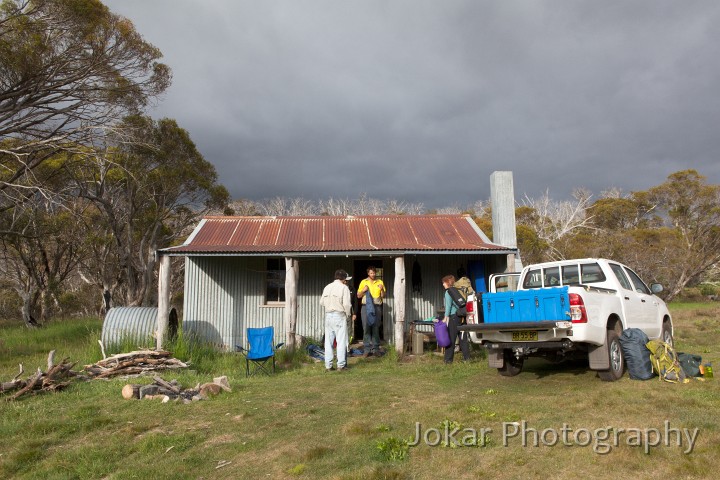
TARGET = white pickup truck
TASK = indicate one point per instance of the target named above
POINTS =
(567, 308)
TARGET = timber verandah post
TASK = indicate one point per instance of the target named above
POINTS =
(399, 296)
(292, 275)
(163, 300)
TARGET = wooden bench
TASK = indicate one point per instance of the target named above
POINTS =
(420, 331)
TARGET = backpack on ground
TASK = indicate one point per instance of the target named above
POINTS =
(690, 364)
(316, 352)
(459, 301)
(665, 362)
(637, 361)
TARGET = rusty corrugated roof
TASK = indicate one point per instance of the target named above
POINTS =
(336, 234)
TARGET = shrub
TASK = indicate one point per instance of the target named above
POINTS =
(707, 289)
(393, 449)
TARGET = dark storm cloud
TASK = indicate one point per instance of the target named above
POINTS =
(421, 100)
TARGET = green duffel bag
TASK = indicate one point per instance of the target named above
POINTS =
(690, 364)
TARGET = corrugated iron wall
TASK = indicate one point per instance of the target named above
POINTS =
(225, 295)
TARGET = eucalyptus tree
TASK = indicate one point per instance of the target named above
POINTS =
(688, 208)
(547, 225)
(41, 253)
(68, 69)
(151, 185)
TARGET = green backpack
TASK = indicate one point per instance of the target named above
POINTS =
(464, 286)
(665, 362)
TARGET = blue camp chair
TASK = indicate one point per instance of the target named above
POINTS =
(260, 350)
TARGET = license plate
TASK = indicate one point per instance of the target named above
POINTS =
(525, 336)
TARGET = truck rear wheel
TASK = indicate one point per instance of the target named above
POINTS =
(617, 362)
(511, 364)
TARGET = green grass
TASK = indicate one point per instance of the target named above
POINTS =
(305, 423)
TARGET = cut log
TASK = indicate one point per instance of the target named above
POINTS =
(210, 389)
(131, 391)
(223, 382)
(166, 385)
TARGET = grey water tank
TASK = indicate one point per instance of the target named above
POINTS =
(137, 324)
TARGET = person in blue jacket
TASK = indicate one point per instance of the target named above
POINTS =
(453, 321)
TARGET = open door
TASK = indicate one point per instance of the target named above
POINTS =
(359, 273)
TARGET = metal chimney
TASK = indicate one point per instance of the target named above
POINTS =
(502, 196)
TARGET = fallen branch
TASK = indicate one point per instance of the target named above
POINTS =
(51, 359)
(56, 378)
(22, 370)
(29, 386)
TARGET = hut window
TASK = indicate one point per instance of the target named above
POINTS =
(275, 281)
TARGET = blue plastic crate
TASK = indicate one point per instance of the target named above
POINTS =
(527, 305)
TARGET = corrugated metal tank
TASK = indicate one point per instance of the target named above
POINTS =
(135, 323)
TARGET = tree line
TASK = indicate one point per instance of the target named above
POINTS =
(669, 233)
(91, 187)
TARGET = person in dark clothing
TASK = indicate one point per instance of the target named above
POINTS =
(453, 321)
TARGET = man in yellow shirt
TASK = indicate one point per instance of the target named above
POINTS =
(372, 289)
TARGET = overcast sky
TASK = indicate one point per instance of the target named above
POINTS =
(421, 101)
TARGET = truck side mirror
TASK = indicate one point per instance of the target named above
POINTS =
(656, 288)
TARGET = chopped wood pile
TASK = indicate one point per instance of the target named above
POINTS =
(172, 390)
(133, 363)
(59, 376)
(56, 378)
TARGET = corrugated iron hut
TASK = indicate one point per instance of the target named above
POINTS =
(245, 272)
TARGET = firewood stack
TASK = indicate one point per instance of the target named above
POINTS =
(172, 390)
(56, 378)
(133, 363)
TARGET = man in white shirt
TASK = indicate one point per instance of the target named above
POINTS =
(336, 300)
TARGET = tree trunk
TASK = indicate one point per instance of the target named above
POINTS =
(149, 294)
(44, 306)
(106, 300)
(27, 309)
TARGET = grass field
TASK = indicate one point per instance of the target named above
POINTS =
(305, 423)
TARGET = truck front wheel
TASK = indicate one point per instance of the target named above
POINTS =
(511, 364)
(617, 362)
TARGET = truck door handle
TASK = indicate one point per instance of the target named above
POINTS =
(642, 300)
(627, 298)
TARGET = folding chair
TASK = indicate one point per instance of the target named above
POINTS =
(260, 350)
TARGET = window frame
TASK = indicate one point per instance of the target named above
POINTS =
(642, 288)
(276, 275)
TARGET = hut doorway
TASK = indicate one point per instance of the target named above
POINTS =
(358, 274)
